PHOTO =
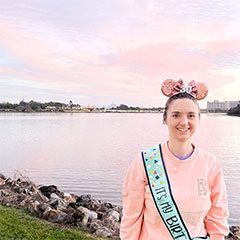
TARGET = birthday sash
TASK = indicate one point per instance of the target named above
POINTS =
(162, 195)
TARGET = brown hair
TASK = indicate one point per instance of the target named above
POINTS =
(180, 95)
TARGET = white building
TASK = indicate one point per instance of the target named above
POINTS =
(221, 106)
(51, 108)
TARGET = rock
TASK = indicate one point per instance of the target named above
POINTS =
(34, 206)
(115, 215)
(2, 179)
(48, 190)
(69, 198)
(118, 209)
(94, 225)
(38, 196)
(103, 232)
(94, 204)
(42, 208)
(83, 215)
(57, 202)
(83, 199)
(56, 216)
(100, 214)
(88, 202)
(234, 233)
(109, 205)
(2, 176)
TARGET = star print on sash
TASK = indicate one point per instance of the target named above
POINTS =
(153, 160)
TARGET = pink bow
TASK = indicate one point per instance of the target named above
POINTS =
(179, 86)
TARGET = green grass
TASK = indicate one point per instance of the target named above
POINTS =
(19, 224)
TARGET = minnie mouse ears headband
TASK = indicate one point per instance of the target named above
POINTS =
(197, 89)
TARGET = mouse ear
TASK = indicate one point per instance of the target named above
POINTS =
(202, 91)
(198, 90)
(168, 87)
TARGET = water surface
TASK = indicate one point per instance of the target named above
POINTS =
(90, 153)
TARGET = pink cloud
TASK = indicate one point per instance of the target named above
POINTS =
(222, 47)
(126, 70)
(162, 58)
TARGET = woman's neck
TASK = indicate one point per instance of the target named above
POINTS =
(180, 149)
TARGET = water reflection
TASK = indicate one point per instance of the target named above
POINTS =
(89, 153)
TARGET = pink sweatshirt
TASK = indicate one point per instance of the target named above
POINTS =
(199, 191)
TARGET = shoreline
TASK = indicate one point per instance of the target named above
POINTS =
(101, 219)
(107, 111)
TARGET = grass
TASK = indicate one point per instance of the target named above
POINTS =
(16, 224)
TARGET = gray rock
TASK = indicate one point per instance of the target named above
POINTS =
(69, 198)
(56, 216)
(115, 215)
(48, 190)
(103, 232)
(2, 179)
(85, 215)
(2, 176)
(57, 202)
(234, 233)
(94, 225)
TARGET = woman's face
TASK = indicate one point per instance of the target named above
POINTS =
(182, 119)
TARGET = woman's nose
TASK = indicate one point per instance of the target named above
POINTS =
(184, 120)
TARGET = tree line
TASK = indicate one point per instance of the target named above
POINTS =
(34, 106)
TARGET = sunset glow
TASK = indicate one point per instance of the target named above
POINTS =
(104, 52)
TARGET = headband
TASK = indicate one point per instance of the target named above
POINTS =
(171, 87)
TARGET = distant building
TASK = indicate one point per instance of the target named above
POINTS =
(217, 106)
(88, 108)
(51, 108)
(76, 107)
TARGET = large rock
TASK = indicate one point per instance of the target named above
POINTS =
(57, 216)
(57, 202)
(114, 215)
(84, 215)
(2, 179)
(87, 201)
(234, 233)
(48, 190)
(69, 198)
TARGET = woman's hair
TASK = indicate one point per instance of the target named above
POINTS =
(180, 95)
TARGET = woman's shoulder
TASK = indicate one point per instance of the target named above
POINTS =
(206, 153)
(208, 157)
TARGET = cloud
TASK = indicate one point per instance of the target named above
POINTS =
(119, 55)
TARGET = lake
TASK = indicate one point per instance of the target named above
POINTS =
(90, 152)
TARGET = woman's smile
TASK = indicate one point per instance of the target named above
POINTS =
(183, 130)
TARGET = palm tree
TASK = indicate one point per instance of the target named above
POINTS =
(70, 104)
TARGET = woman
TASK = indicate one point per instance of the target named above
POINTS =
(176, 190)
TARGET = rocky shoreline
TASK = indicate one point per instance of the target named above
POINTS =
(100, 218)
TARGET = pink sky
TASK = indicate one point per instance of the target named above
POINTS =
(104, 52)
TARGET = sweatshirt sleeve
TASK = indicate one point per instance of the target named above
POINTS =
(216, 220)
(133, 200)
